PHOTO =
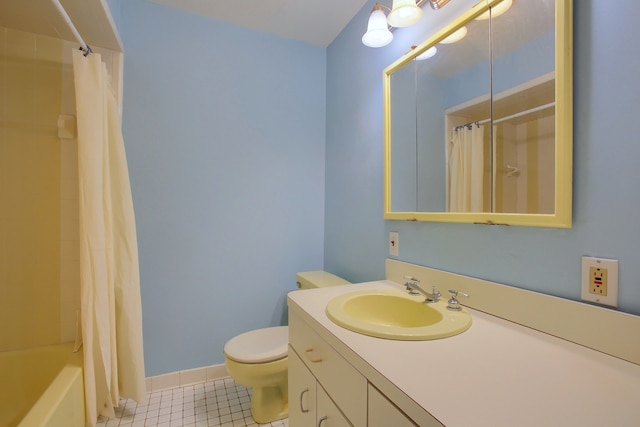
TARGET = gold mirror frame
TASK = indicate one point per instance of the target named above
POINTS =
(562, 217)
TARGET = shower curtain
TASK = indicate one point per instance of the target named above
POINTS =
(111, 315)
(465, 169)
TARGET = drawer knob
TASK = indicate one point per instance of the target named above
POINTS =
(312, 357)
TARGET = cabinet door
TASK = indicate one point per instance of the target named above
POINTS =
(302, 393)
(328, 414)
(383, 413)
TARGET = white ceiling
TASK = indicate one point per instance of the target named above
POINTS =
(317, 22)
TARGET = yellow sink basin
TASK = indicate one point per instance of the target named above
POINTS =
(396, 315)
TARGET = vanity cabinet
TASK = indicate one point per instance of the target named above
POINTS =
(328, 414)
(309, 404)
(500, 372)
(325, 390)
(383, 413)
(335, 377)
(302, 392)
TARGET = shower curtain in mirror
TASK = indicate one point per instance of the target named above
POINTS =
(111, 317)
(465, 169)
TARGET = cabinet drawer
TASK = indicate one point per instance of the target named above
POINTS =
(346, 386)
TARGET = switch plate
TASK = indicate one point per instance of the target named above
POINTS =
(394, 243)
(600, 280)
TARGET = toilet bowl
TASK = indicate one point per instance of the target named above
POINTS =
(258, 359)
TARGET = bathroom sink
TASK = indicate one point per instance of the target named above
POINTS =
(396, 315)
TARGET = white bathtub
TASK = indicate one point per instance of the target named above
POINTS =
(41, 387)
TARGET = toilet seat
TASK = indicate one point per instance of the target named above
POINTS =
(259, 346)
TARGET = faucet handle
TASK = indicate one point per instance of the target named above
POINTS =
(453, 303)
(408, 285)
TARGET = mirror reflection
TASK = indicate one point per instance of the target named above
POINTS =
(424, 96)
(471, 123)
(523, 102)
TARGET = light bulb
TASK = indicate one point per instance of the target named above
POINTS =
(427, 53)
(404, 13)
(455, 36)
(378, 33)
(497, 10)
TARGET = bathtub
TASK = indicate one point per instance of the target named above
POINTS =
(42, 387)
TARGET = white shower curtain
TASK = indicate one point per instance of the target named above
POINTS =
(465, 169)
(111, 316)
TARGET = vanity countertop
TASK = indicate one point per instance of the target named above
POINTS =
(497, 373)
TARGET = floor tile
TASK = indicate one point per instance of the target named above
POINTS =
(221, 403)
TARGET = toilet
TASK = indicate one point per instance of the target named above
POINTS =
(258, 359)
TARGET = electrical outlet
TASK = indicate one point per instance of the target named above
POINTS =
(394, 243)
(600, 280)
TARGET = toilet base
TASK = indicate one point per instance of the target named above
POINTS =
(269, 384)
(269, 404)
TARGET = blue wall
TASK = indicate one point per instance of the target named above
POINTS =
(606, 172)
(225, 131)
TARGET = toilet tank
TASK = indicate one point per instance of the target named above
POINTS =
(318, 279)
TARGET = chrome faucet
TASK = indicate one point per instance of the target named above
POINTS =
(414, 289)
(453, 303)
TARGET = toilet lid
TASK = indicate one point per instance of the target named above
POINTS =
(259, 346)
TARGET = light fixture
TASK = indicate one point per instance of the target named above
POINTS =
(437, 4)
(427, 53)
(404, 13)
(455, 36)
(497, 10)
(378, 33)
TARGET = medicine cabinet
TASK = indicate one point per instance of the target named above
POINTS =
(481, 130)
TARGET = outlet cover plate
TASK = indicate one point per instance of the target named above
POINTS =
(611, 265)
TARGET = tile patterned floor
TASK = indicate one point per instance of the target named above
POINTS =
(221, 403)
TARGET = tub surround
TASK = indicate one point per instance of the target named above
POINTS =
(42, 387)
(498, 372)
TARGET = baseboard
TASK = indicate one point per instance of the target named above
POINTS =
(186, 377)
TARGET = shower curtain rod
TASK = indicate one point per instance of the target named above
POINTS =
(83, 45)
(504, 119)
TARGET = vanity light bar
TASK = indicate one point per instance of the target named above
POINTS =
(404, 13)
(437, 4)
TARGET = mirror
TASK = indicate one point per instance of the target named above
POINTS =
(481, 131)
